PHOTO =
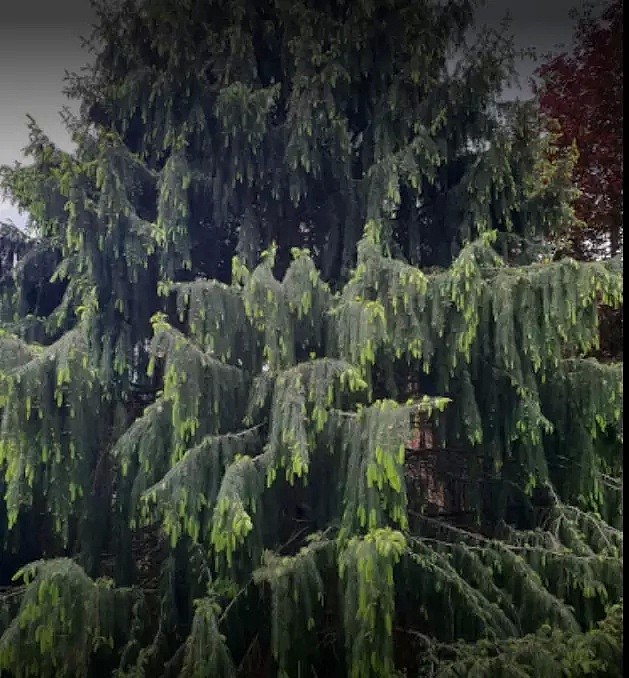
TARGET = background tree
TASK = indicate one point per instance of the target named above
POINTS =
(205, 425)
(581, 91)
(580, 96)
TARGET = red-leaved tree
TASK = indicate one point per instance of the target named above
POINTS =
(581, 93)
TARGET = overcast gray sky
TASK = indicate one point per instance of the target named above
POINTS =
(40, 40)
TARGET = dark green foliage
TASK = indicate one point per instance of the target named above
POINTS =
(274, 259)
(548, 652)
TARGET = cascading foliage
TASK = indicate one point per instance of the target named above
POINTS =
(294, 237)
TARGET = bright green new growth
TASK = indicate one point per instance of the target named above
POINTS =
(273, 259)
(63, 619)
(212, 492)
(367, 565)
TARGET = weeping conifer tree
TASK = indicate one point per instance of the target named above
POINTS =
(290, 384)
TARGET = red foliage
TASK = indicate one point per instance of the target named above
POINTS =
(582, 91)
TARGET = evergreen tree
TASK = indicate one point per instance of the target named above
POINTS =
(293, 238)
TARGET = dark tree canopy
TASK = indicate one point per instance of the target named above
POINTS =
(289, 382)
